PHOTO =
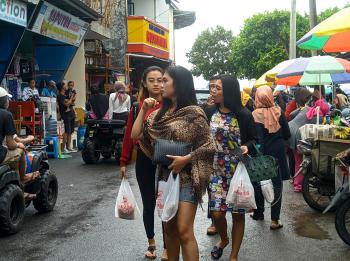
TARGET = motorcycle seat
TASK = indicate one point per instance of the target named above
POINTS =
(118, 123)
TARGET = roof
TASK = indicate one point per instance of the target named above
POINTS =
(77, 8)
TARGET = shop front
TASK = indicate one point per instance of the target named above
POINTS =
(44, 39)
(148, 44)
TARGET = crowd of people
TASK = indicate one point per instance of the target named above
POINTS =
(254, 118)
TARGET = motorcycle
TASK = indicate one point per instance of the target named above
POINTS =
(317, 188)
(342, 197)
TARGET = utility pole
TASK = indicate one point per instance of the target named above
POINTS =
(313, 19)
(293, 29)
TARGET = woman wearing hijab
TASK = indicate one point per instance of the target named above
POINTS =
(306, 115)
(119, 103)
(97, 104)
(341, 102)
(273, 132)
(230, 123)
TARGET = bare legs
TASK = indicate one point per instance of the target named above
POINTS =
(238, 221)
(237, 234)
(179, 232)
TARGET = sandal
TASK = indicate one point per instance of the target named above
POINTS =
(275, 225)
(150, 254)
(211, 231)
(164, 256)
(216, 253)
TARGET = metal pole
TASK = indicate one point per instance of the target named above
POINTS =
(313, 19)
(293, 25)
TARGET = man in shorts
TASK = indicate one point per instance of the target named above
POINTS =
(68, 116)
(12, 152)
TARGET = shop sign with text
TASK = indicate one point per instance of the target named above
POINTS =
(60, 25)
(145, 36)
(14, 12)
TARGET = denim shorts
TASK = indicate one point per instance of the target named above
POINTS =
(187, 194)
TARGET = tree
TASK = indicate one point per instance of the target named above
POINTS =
(264, 42)
(211, 52)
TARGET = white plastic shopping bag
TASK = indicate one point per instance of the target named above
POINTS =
(161, 196)
(171, 203)
(267, 190)
(126, 206)
(241, 192)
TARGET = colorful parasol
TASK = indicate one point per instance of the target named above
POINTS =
(331, 35)
(317, 70)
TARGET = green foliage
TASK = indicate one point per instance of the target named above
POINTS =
(264, 42)
(210, 53)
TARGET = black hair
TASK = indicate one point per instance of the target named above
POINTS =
(214, 78)
(3, 102)
(143, 90)
(59, 87)
(95, 89)
(184, 90)
(232, 93)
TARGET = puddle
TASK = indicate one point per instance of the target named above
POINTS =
(306, 226)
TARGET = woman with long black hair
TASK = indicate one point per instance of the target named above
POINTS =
(151, 87)
(180, 120)
(232, 127)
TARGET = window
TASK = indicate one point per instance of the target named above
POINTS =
(131, 8)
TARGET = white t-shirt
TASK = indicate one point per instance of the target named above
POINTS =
(115, 106)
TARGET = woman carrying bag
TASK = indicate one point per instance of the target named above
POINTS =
(232, 127)
(151, 86)
(180, 120)
(273, 133)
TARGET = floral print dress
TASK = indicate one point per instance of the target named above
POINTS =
(225, 130)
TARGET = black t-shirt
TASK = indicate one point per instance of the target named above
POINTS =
(60, 100)
(7, 128)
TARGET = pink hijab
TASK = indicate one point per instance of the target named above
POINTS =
(265, 111)
(312, 111)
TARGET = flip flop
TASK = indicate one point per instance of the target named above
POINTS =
(276, 226)
(216, 253)
(164, 256)
(29, 197)
(211, 231)
(151, 250)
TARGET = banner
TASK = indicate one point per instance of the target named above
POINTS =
(60, 25)
(14, 12)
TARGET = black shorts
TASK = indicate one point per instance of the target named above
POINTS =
(69, 122)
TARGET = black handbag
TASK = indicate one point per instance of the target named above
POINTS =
(168, 147)
(262, 167)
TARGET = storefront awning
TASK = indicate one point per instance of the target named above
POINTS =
(77, 8)
(183, 18)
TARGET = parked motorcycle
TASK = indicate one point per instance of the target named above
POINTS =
(342, 197)
(317, 188)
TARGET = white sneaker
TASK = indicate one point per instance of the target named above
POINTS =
(72, 150)
(65, 151)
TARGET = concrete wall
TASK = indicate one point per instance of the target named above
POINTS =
(76, 73)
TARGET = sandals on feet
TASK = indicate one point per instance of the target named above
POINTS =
(216, 253)
(276, 225)
(150, 254)
(211, 231)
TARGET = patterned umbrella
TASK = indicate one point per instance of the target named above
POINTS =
(331, 35)
(317, 70)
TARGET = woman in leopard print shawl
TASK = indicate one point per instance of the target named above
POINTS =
(180, 119)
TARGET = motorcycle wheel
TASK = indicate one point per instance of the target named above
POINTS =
(342, 221)
(317, 193)
(89, 154)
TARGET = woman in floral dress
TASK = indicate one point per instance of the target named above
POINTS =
(233, 129)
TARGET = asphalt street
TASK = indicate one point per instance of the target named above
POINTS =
(83, 226)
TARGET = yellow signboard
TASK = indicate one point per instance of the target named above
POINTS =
(145, 36)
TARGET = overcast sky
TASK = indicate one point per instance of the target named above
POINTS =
(231, 15)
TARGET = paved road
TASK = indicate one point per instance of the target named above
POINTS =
(83, 226)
